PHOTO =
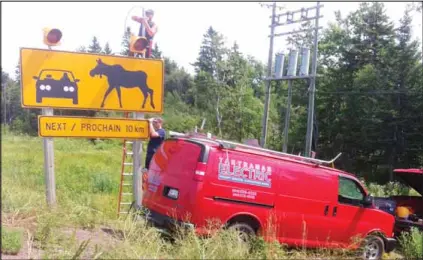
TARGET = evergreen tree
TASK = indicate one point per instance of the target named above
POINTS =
(18, 73)
(107, 49)
(125, 42)
(81, 49)
(408, 118)
(156, 53)
(94, 47)
(211, 53)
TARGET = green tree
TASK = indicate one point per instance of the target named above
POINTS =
(107, 50)
(367, 98)
(125, 42)
(94, 47)
(156, 53)
(210, 75)
(407, 78)
(211, 53)
(81, 49)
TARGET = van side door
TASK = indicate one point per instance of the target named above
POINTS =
(238, 182)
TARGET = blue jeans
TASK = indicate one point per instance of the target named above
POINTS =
(148, 158)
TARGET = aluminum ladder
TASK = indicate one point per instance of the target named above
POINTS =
(126, 177)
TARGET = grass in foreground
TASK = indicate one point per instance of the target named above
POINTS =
(412, 244)
(84, 224)
(11, 240)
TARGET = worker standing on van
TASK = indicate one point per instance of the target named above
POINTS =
(157, 136)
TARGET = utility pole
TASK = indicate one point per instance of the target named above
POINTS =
(287, 116)
(291, 75)
(312, 89)
(3, 84)
(269, 74)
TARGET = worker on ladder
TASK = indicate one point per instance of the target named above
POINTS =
(157, 136)
(150, 29)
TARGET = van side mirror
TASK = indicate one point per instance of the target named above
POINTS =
(368, 201)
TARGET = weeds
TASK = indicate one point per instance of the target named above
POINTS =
(102, 183)
(412, 244)
(11, 240)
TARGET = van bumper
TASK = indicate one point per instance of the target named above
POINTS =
(391, 243)
(163, 221)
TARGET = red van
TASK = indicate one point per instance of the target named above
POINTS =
(193, 180)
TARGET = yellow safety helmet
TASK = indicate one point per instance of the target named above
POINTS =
(403, 212)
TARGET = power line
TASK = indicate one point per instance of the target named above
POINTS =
(369, 92)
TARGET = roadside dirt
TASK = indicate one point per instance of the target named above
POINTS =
(101, 238)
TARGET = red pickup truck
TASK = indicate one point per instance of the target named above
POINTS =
(408, 210)
(194, 179)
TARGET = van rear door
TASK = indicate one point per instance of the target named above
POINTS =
(171, 184)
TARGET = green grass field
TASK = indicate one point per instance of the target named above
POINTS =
(84, 223)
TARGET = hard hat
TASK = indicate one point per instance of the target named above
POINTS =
(149, 11)
(403, 212)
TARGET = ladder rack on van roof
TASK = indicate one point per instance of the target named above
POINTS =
(233, 145)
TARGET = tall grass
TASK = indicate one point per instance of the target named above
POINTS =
(11, 241)
(84, 223)
(412, 244)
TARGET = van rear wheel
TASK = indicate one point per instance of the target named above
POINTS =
(245, 231)
(373, 248)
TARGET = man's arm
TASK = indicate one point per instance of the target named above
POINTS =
(153, 132)
(150, 30)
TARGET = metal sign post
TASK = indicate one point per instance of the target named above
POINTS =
(137, 153)
(49, 165)
(48, 147)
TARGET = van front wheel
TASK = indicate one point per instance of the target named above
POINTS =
(373, 248)
(245, 231)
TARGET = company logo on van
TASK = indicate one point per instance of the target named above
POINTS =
(244, 172)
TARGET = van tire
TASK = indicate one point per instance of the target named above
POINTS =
(373, 248)
(245, 231)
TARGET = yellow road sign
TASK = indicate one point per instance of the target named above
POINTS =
(73, 80)
(96, 127)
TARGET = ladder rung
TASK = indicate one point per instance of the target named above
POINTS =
(127, 163)
(127, 174)
(125, 203)
(129, 153)
(127, 184)
(123, 212)
(129, 142)
(126, 193)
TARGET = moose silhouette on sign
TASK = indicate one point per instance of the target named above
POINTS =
(118, 77)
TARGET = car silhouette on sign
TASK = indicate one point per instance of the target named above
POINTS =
(47, 87)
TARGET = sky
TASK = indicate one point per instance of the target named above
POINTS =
(181, 25)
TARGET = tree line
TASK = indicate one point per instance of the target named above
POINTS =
(368, 94)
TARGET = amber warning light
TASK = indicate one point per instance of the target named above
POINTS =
(52, 36)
